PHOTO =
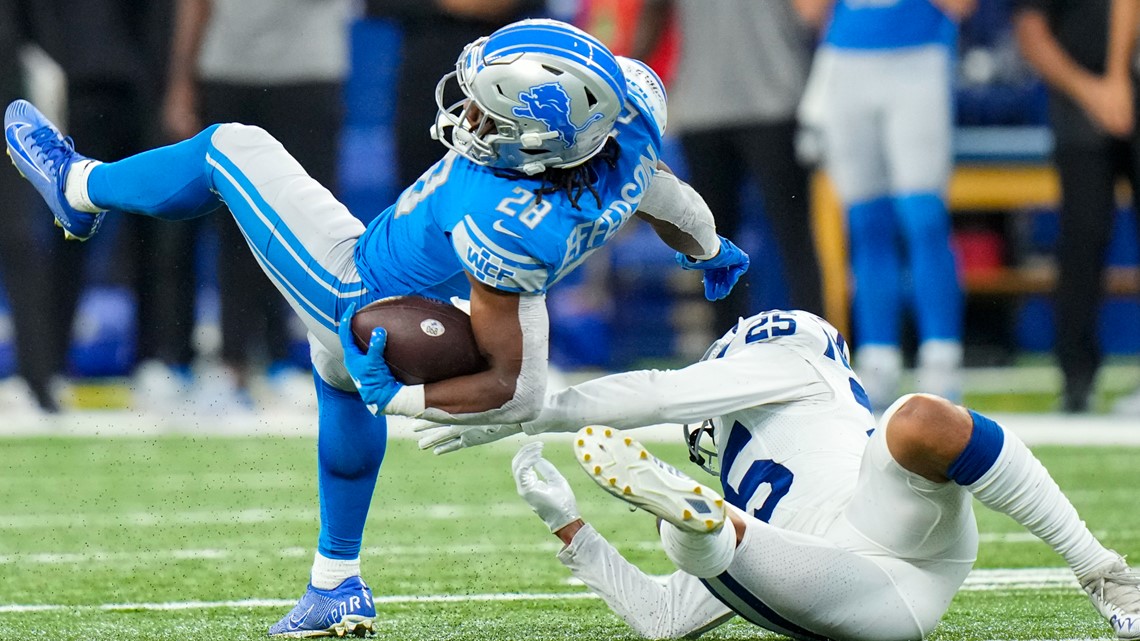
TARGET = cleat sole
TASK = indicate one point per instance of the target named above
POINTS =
(350, 626)
(625, 469)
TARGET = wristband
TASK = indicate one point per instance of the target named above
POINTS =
(408, 401)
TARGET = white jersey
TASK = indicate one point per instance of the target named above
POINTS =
(792, 460)
(790, 418)
(885, 547)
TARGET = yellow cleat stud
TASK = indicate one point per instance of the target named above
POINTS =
(57, 223)
(627, 490)
(644, 455)
(697, 490)
(613, 481)
(686, 515)
(719, 503)
(597, 469)
(710, 523)
(589, 431)
(608, 433)
(581, 442)
(628, 441)
(586, 457)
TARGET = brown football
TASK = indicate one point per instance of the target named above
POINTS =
(428, 340)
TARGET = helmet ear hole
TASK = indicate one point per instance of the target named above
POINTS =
(554, 71)
(591, 100)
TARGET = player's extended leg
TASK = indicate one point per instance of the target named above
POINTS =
(940, 441)
(877, 304)
(937, 296)
(795, 584)
(350, 449)
(918, 131)
(852, 91)
(304, 240)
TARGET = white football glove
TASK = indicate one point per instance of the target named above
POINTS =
(450, 438)
(550, 496)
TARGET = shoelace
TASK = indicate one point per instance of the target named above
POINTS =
(51, 147)
(1126, 599)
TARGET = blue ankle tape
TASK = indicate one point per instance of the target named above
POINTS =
(981, 452)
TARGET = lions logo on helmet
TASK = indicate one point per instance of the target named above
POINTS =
(526, 87)
(550, 105)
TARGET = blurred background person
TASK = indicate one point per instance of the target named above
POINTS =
(433, 33)
(881, 97)
(741, 72)
(1083, 49)
(109, 101)
(280, 65)
(39, 336)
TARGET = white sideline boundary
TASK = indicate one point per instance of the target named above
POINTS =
(1034, 429)
(979, 580)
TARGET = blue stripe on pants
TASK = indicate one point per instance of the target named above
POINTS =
(277, 249)
(734, 595)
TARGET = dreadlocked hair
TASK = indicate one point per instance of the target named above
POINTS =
(575, 181)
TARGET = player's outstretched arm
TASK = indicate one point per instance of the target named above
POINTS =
(684, 222)
(764, 373)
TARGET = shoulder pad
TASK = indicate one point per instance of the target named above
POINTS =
(645, 90)
(501, 263)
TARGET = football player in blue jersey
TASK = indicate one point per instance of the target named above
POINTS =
(880, 94)
(832, 525)
(554, 147)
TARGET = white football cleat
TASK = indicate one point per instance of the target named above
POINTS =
(1115, 592)
(625, 469)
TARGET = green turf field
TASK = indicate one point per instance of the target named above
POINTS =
(211, 538)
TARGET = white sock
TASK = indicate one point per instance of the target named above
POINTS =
(699, 554)
(329, 573)
(879, 368)
(940, 369)
(75, 186)
(1019, 486)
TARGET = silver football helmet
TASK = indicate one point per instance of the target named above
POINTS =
(539, 94)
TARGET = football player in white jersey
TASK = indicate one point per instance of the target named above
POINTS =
(831, 526)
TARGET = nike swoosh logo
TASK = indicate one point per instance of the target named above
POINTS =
(499, 227)
(295, 622)
(12, 134)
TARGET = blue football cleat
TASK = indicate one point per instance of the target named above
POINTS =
(43, 156)
(346, 609)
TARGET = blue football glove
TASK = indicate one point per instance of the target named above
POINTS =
(369, 370)
(721, 271)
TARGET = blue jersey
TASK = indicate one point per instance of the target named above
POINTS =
(461, 218)
(889, 24)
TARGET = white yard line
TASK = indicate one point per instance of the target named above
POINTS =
(984, 580)
(435, 512)
(395, 551)
(1034, 429)
(284, 603)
